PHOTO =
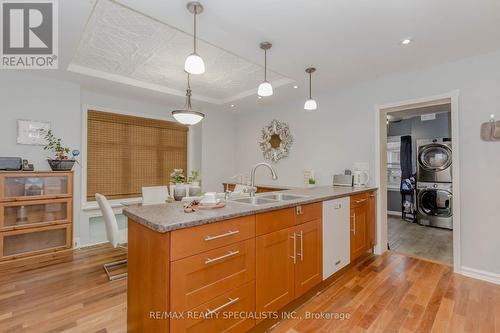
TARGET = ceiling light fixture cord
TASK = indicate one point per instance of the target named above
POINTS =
(194, 24)
(265, 65)
(310, 85)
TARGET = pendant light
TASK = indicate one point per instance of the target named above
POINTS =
(194, 63)
(310, 104)
(265, 88)
(188, 116)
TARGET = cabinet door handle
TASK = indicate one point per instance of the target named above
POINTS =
(294, 257)
(354, 223)
(223, 306)
(360, 201)
(229, 254)
(301, 253)
(338, 262)
(229, 233)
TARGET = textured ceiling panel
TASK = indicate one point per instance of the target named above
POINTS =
(123, 45)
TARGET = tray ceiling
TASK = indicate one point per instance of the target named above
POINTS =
(123, 45)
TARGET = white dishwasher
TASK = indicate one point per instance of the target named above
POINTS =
(336, 235)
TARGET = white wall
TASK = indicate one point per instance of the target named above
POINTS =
(342, 132)
(26, 96)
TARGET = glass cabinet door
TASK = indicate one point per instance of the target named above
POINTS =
(22, 243)
(14, 215)
(35, 186)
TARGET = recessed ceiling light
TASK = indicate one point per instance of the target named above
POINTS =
(259, 97)
(295, 87)
(232, 105)
(406, 41)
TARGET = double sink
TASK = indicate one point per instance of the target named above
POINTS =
(268, 198)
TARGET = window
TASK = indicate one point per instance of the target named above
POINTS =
(125, 153)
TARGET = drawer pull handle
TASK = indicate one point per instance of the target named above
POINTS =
(338, 262)
(229, 254)
(229, 233)
(223, 306)
(360, 201)
(301, 253)
(294, 257)
(354, 223)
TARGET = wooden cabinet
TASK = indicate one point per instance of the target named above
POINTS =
(309, 252)
(36, 213)
(362, 223)
(189, 241)
(288, 261)
(275, 280)
(199, 278)
(220, 314)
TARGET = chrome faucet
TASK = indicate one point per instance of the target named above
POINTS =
(253, 189)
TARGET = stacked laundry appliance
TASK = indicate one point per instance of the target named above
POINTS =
(434, 183)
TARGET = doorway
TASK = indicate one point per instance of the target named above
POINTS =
(417, 173)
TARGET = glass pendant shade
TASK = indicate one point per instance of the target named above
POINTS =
(310, 105)
(265, 89)
(194, 64)
(187, 117)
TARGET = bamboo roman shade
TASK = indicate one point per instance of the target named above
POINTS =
(125, 153)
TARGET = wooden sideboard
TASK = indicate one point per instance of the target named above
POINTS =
(36, 213)
(188, 280)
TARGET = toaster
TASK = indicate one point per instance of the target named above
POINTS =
(343, 180)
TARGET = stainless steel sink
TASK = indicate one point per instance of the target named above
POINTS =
(281, 196)
(254, 201)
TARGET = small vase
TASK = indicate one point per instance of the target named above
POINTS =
(194, 189)
(179, 191)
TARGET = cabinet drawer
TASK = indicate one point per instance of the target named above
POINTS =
(309, 212)
(217, 315)
(202, 277)
(20, 243)
(358, 200)
(19, 215)
(190, 241)
(273, 221)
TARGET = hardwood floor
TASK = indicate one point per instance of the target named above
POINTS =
(388, 293)
(420, 241)
(69, 294)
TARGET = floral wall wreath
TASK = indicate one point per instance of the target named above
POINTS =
(276, 141)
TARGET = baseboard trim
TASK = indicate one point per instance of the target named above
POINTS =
(480, 274)
(393, 213)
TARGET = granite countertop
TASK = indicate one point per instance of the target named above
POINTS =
(170, 216)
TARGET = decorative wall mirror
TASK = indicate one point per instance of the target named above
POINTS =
(276, 141)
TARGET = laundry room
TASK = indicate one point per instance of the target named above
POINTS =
(419, 182)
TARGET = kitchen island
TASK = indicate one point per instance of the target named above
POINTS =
(229, 269)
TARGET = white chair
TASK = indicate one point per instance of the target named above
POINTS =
(112, 234)
(154, 195)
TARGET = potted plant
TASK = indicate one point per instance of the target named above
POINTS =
(312, 182)
(177, 177)
(62, 160)
(194, 183)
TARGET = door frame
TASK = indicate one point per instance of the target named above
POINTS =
(381, 112)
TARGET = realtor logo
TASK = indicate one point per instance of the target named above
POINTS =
(29, 34)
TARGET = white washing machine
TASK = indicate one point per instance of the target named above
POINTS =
(435, 204)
